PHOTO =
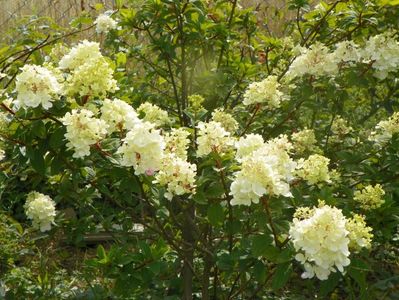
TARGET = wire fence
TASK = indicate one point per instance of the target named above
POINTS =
(272, 13)
(61, 11)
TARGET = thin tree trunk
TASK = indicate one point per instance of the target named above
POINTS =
(206, 276)
(187, 271)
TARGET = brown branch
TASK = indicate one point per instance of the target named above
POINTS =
(265, 203)
(226, 190)
(251, 119)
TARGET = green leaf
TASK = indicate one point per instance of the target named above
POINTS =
(215, 214)
(389, 2)
(215, 191)
(259, 271)
(200, 198)
(37, 160)
(39, 129)
(327, 286)
(261, 245)
(57, 138)
(102, 255)
(145, 248)
(282, 275)
(119, 3)
(357, 270)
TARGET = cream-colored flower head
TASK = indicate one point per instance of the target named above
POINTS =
(119, 115)
(304, 141)
(346, 52)
(80, 54)
(83, 130)
(40, 209)
(370, 197)
(35, 86)
(316, 60)
(382, 52)
(143, 149)
(314, 169)
(89, 72)
(266, 170)
(177, 175)
(212, 137)
(321, 241)
(248, 144)
(196, 102)
(227, 120)
(266, 91)
(385, 130)
(105, 23)
(359, 233)
(154, 114)
(95, 78)
(177, 142)
(322, 237)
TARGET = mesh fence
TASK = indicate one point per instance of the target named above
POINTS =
(272, 13)
(61, 11)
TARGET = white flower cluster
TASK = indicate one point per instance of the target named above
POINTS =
(176, 142)
(359, 233)
(94, 79)
(153, 114)
(370, 197)
(80, 54)
(266, 170)
(316, 60)
(40, 209)
(35, 86)
(304, 140)
(322, 237)
(321, 241)
(83, 130)
(314, 169)
(380, 52)
(104, 23)
(385, 130)
(247, 145)
(227, 120)
(346, 52)
(90, 73)
(177, 175)
(266, 91)
(143, 149)
(195, 102)
(212, 137)
(119, 115)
